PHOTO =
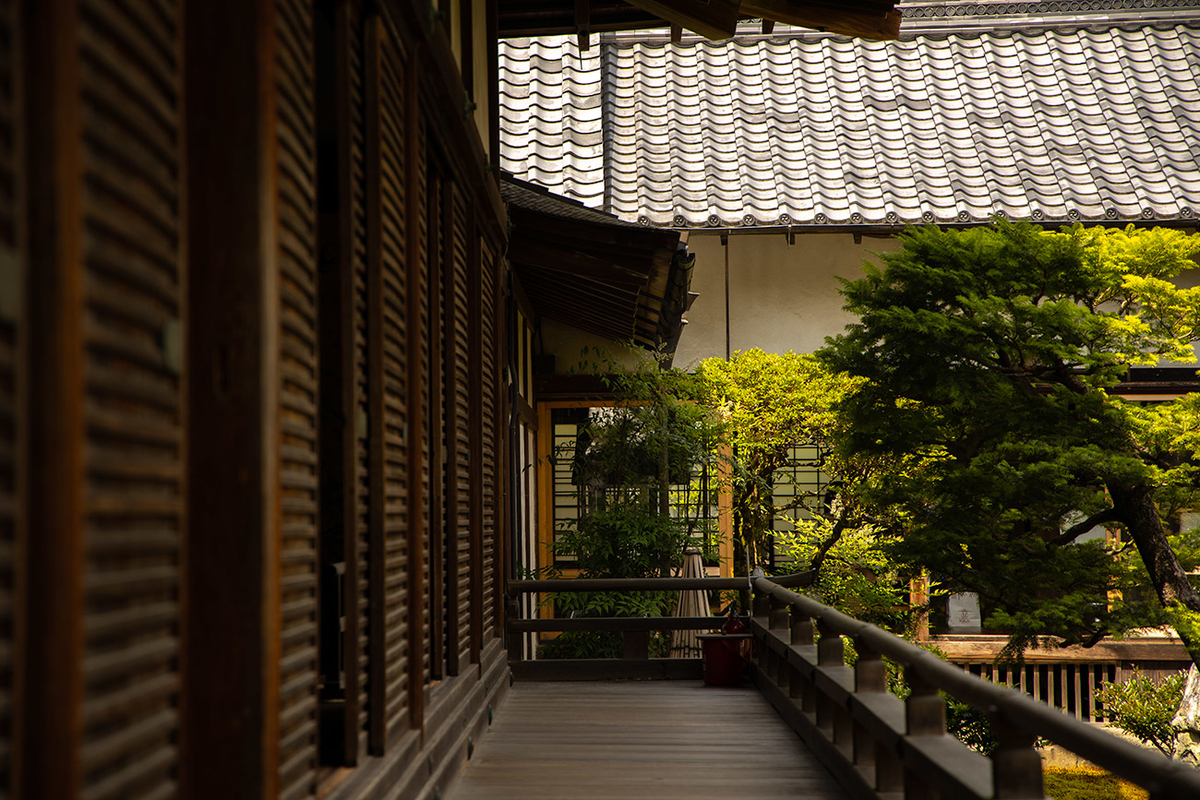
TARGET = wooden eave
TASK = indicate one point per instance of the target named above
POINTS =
(713, 19)
(604, 278)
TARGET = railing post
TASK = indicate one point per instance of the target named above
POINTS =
(924, 715)
(830, 653)
(800, 686)
(512, 610)
(777, 622)
(635, 644)
(870, 677)
(762, 603)
(1016, 765)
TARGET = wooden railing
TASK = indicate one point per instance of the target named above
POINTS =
(635, 631)
(880, 746)
(877, 745)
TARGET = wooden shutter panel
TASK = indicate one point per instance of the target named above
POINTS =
(428, 247)
(460, 437)
(492, 431)
(11, 340)
(359, 608)
(130, 65)
(394, 221)
(296, 258)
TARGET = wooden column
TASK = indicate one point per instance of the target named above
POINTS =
(53, 650)
(230, 736)
(14, 406)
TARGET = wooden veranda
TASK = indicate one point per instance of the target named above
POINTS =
(811, 726)
(641, 740)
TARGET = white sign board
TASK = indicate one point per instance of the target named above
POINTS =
(962, 613)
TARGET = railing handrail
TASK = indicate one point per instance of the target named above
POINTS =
(1017, 710)
(538, 585)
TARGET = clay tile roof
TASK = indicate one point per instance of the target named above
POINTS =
(1059, 118)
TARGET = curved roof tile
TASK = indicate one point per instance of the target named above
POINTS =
(1065, 124)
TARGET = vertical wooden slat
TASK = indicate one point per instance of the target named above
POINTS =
(363, 59)
(54, 648)
(447, 565)
(296, 259)
(376, 545)
(417, 516)
(229, 706)
(475, 446)
(491, 433)
(351, 371)
(12, 415)
(434, 395)
(460, 441)
(394, 316)
(367, 265)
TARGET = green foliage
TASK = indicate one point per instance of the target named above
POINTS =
(970, 726)
(769, 403)
(626, 458)
(1144, 708)
(857, 576)
(984, 359)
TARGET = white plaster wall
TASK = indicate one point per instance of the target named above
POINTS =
(781, 297)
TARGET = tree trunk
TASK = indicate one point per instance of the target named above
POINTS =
(1136, 509)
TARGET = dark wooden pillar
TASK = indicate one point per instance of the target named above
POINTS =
(53, 652)
(230, 737)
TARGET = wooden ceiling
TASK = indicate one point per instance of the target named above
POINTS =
(713, 19)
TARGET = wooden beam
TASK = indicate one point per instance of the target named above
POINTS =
(715, 19)
(882, 25)
(583, 19)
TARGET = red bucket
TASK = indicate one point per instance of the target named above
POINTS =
(724, 656)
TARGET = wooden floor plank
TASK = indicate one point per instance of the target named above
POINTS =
(640, 740)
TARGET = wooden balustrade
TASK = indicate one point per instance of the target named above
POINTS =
(880, 746)
(635, 631)
(877, 745)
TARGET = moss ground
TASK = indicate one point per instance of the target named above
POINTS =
(1084, 783)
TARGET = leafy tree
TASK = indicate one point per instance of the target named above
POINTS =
(770, 403)
(985, 360)
(1144, 708)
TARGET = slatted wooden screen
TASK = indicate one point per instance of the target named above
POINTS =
(458, 369)
(389, 250)
(296, 258)
(429, 257)
(358, 610)
(492, 431)
(130, 71)
(11, 282)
